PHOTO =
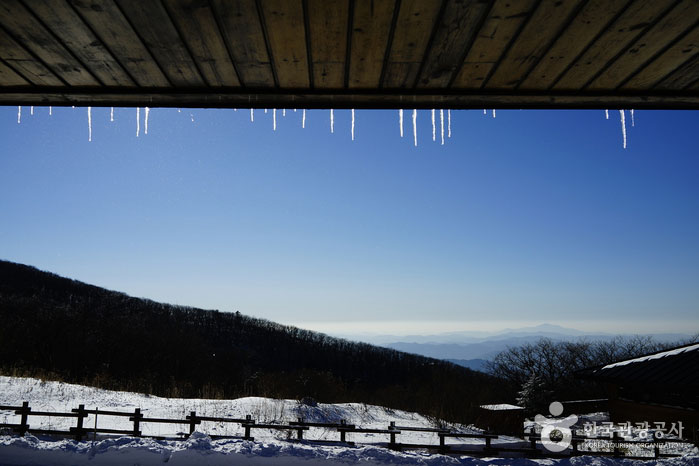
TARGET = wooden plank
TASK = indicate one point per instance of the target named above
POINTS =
(411, 37)
(684, 76)
(616, 38)
(151, 22)
(31, 34)
(18, 58)
(196, 22)
(371, 26)
(327, 21)
(243, 34)
(531, 44)
(590, 22)
(60, 17)
(286, 32)
(294, 98)
(9, 78)
(503, 22)
(671, 26)
(455, 32)
(108, 22)
(666, 63)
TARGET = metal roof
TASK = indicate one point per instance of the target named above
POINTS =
(678, 367)
(351, 53)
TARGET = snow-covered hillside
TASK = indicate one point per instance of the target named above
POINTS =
(270, 447)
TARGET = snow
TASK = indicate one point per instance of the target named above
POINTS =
(269, 447)
(434, 130)
(501, 407)
(111, 114)
(89, 124)
(145, 124)
(303, 119)
(448, 123)
(19, 114)
(664, 354)
(353, 124)
(332, 121)
(415, 127)
(623, 126)
(441, 123)
(400, 121)
(138, 120)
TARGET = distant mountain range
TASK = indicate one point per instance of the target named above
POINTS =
(473, 349)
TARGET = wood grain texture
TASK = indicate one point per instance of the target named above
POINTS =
(242, 31)
(370, 29)
(286, 32)
(503, 22)
(671, 26)
(681, 78)
(454, 34)
(29, 32)
(327, 21)
(195, 20)
(107, 21)
(153, 25)
(668, 61)
(637, 17)
(60, 17)
(411, 37)
(532, 43)
(24, 63)
(8, 77)
(590, 22)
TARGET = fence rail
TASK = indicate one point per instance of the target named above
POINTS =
(80, 432)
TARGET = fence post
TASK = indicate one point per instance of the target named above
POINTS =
(532, 438)
(192, 421)
(137, 416)
(656, 447)
(24, 412)
(81, 416)
(615, 441)
(342, 432)
(392, 426)
(248, 421)
(442, 445)
(487, 442)
(299, 432)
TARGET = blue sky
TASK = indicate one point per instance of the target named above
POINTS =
(530, 217)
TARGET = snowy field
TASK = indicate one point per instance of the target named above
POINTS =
(270, 447)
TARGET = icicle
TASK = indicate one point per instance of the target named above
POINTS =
(415, 127)
(274, 119)
(284, 112)
(111, 114)
(179, 110)
(353, 124)
(303, 120)
(493, 113)
(50, 110)
(138, 121)
(294, 110)
(265, 110)
(145, 129)
(89, 124)
(633, 122)
(623, 126)
(252, 114)
(400, 121)
(449, 123)
(484, 112)
(31, 110)
(332, 121)
(19, 114)
(606, 114)
(434, 130)
(441, 123)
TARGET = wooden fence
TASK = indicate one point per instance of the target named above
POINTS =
(80, 431)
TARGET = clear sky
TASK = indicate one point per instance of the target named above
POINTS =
(530, 217)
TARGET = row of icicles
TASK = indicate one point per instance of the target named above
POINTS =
(332, 121)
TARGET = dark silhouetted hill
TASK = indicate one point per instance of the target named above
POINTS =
(62, 329)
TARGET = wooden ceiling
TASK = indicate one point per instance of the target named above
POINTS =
(351, 53)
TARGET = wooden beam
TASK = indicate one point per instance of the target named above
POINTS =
(303, 98)
(370, 31)
(10, 78)
(25, 63)
(328, 38)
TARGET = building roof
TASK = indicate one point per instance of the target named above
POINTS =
(351, 53)
(677, 367)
